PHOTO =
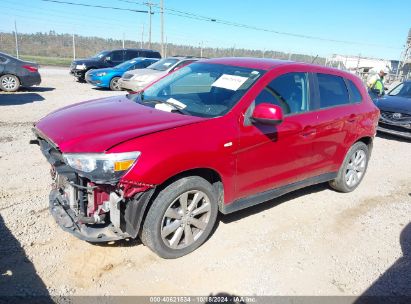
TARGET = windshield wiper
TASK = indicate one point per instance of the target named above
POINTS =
(158, 101)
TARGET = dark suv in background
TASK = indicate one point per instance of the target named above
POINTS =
(107, 59)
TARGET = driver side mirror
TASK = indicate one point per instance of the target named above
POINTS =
(268, 114)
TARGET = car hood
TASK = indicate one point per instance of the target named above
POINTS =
(85, 61)
(98, 125)
(107, 70)
(394, 104)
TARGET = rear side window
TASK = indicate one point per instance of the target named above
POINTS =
(333, 91)
(132, 54)
(355, 95)
(151, 54)
(289, 91)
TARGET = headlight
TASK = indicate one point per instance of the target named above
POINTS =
(101, 74)
(81, 67)
(100, 167)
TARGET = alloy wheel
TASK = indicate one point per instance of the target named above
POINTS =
(185, 219)
(355, 168)
(9, 83)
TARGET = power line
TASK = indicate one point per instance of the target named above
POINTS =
(190, 15)
(96, 6)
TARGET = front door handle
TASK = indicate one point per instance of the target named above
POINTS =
(307, 132)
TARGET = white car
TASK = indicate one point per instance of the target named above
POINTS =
(135, 80)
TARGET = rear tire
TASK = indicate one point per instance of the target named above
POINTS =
(114, 85)
(353, 169)
(9, 83)
(181, 217)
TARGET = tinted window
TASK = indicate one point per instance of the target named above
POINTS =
(151, 54)
(289, 91)
(117, 56)
(333, 91)
(355, 95)
(132, 54)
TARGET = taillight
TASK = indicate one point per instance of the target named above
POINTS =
(30, 68)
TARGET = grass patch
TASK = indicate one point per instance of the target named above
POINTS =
(44, 60)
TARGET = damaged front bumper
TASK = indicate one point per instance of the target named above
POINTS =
(92, 211)
(68, 221)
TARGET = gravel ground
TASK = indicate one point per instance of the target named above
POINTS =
(310, 242)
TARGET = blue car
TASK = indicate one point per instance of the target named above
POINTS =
(108, 77)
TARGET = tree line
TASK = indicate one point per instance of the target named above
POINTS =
(57, 45)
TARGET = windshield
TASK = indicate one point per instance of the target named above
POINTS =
(402, 90)
(163, 64)
(200, 89)
(126, 65)
(100, 55)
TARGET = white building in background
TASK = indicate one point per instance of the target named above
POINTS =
(360, 64)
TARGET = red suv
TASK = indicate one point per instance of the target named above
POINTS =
(218, 135)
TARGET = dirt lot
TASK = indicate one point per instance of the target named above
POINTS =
(311, 242)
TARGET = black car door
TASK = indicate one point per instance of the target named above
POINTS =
(117, 57)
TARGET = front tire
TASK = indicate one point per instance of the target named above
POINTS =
(9, 83)
(353, 169)
(181, 217)
(114, 85)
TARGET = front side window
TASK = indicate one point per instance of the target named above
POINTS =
(333, 91)
(289, 91)
(117, 56)
(200, 89)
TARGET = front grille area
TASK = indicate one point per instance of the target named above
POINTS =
(127, 76)
(396, 117)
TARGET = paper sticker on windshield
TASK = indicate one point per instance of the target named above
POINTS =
(167, 64)
(229, 82)
(164, 107)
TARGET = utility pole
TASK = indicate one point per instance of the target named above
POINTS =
(201, 48)
(17, 42)
(150, 12)
(74, 48)
(165, 50)
(123, 40)
(162, 26)
(142, 36)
